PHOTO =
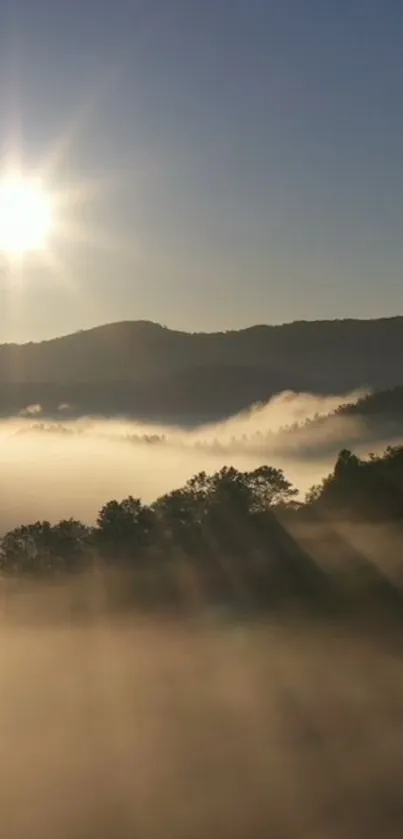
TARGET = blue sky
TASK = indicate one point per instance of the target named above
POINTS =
(246, 154)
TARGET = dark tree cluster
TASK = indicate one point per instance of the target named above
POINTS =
(369, 489)
(220, 537)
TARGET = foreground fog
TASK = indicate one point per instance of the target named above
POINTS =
(153, 730)
(55, 470)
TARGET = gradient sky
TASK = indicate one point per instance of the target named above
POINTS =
(239, 161)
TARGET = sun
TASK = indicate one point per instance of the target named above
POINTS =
(25, 216)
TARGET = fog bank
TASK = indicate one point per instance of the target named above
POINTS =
(55, 470)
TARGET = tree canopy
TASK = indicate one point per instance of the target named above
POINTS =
(232, 529)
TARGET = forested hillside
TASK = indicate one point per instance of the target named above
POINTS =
(144, 369)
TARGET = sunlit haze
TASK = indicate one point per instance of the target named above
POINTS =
(25, 216)
(222, 163)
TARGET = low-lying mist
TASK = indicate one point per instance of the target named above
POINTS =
(149, 729)
(55, 470)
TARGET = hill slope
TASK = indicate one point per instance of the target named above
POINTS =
(141, 367)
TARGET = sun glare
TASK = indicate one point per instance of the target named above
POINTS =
(25, 216)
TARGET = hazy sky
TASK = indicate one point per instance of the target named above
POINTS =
(247, 156)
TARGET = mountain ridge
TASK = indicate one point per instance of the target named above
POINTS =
(217, 332)
(143, 368)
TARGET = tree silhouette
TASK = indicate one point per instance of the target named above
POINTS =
(124, 528)
(227, 534)
(371, 489)
(41, 548)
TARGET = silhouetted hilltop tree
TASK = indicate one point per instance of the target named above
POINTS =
(225, 499)
(124, 528)
(227, 523)
(370, 489)
(42, 548)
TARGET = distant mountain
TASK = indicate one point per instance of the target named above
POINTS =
(144, 369)
(383, 403)
(376, 418)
